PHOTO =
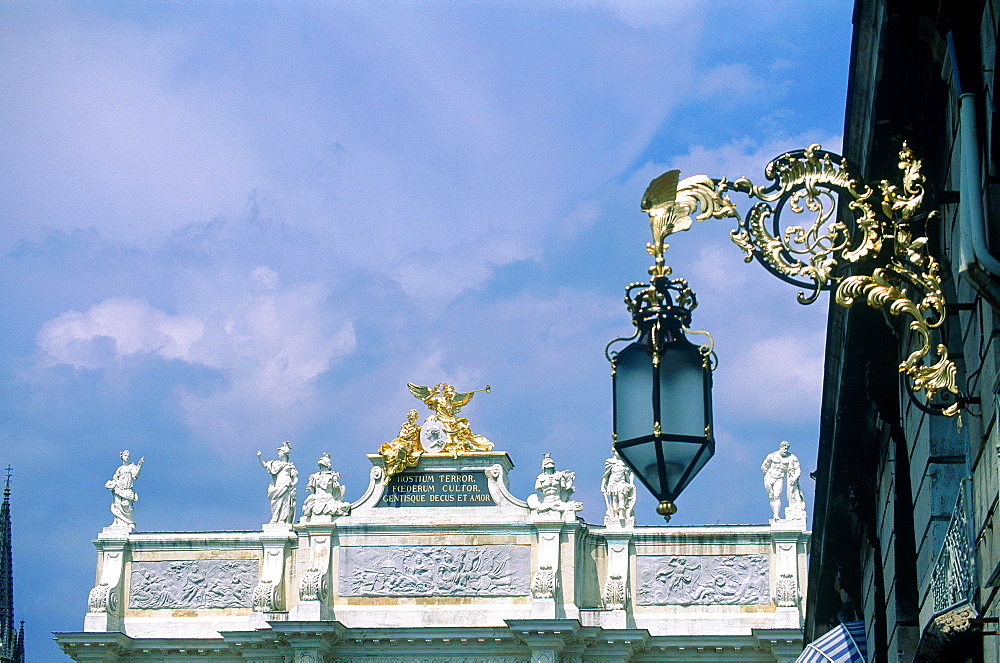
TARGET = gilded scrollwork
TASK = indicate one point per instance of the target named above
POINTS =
(824, 252)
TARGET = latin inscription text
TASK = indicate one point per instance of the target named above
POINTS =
(470, 488)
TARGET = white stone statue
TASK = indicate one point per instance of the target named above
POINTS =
(780, 467)
(281, 492)
(122, 495)
(326, 493)
(619, 492)
(556, 489)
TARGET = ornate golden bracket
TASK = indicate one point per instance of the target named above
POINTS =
(876, 258)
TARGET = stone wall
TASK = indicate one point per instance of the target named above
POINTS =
(487, 579)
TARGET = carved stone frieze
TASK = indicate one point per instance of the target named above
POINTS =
(614, 593)
(543, 585)
(266, 597)
(787, 594)
(488, 570)
(313, 586)
(102, 599)
(702, 580)
(198, 583)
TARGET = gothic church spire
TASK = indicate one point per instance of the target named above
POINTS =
(11, 641)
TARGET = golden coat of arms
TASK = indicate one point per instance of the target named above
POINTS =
(442, 432)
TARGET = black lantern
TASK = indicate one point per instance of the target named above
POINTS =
(662, 392)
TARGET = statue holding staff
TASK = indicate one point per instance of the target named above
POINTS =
(122, 494)
(281, 492)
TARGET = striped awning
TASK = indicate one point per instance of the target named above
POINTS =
(844, 644)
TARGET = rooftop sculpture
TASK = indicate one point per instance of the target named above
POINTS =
(326, 493)
(618, 487)
(556, 489)
(779, 467)
(122, 494)
(441, 432)
(281, 492)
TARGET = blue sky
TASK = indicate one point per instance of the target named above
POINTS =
(226, 225)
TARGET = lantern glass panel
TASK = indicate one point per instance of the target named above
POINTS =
(682, 391)
(679, 458)
(642, 459)
(633, 384)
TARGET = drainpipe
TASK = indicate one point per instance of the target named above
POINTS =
(971, 217)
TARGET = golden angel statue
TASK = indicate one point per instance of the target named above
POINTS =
(445, 431)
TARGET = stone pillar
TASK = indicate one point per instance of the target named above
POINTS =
(616, 586)
(106, 603)
(545, 580)
(789, 552)
(313, 585)
(269, 594)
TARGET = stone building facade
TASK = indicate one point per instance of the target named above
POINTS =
(441, 562)
(905, 533)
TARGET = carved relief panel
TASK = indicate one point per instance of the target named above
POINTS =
(702, 580)
(198, 583)
(501, 570)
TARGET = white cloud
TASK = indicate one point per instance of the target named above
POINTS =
(132, 325)
(676, 14)
(728, 83)
(436, 279)
(746, 157)
(100, 131)
(483, 140)
(776, 379)
(269, 346)
(719, 269)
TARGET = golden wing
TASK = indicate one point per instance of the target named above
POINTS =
(420, 392)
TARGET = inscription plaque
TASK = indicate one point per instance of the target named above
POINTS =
(196, 583)
(464, 488)
(702, 580)
(486, 570)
